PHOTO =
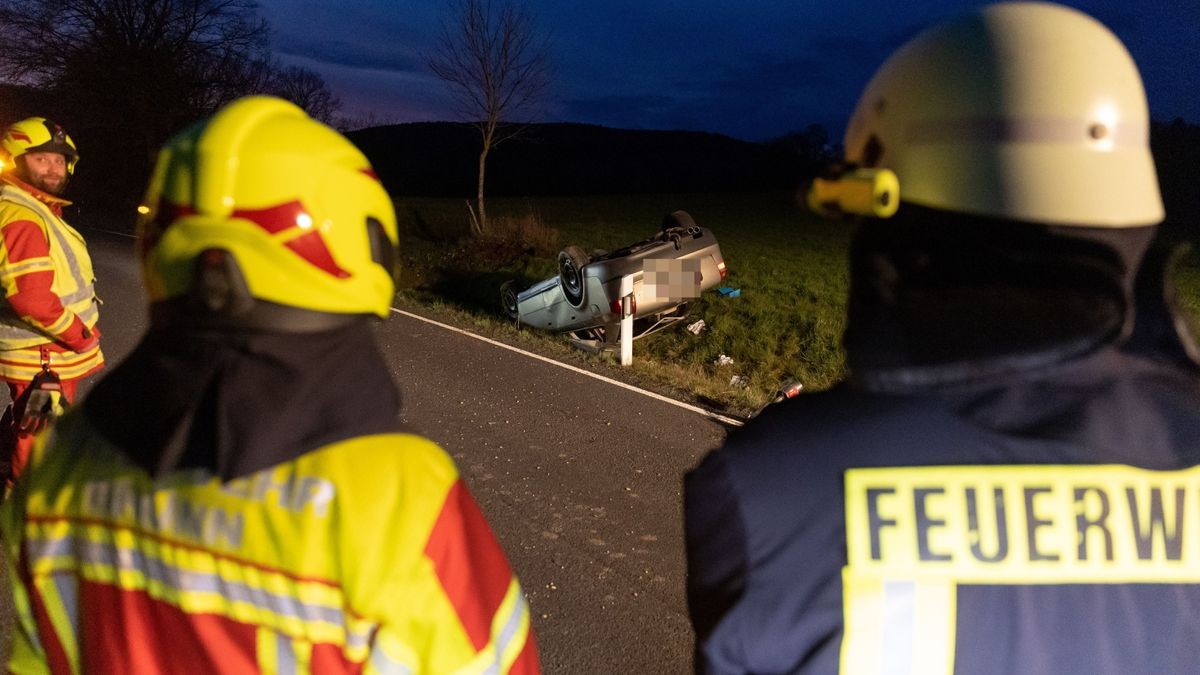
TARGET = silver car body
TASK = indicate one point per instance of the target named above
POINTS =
(688, 255)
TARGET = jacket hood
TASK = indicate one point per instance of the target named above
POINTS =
(234, 403)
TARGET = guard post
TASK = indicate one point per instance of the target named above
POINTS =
(626, 292)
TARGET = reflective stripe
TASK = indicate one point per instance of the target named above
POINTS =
(505, 629)
(131, 560)
(56, 552)
(358, 639)
(80, 301)
(18, 331)
(285, 656)
(85, 292)
(517, 617)
(89, 315)
(51, 221)
(67, 587)
(384, 665)
(61, 324)
(898, 612)
(40, 549)
(26, 362)
(26, 267)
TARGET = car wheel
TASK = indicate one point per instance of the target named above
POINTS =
(508, 299)
(680, 219)
(570, 273)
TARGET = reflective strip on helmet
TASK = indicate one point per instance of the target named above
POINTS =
(291, 223)
(1008, 130)
(233, 589)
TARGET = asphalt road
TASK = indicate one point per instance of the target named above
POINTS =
(579, 478)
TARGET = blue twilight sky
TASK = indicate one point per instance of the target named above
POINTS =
(751, 69)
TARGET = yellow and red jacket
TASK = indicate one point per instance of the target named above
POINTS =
(365, 556)
(48, 282)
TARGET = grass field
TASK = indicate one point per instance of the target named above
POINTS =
(789, 265)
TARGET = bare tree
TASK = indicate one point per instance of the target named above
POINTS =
(497, 65)
(373, 118)
(203, 52)
(306, 89)
(126, 74)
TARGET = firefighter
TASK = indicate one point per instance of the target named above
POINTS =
(48, 335)
(236, 496)
(1009, 481)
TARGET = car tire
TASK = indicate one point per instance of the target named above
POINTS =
(508, 299)
(679, 219)
(570, 274)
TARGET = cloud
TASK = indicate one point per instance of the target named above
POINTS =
(363, 34)
(753, 70)
(374, 56)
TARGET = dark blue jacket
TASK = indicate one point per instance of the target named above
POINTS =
(1043, 546)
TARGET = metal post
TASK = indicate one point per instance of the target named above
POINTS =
(626, 320)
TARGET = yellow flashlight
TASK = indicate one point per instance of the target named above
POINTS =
(863, 192)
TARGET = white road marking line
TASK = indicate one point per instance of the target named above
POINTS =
(119, 234)
(686, 406)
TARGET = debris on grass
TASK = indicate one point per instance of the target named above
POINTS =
(696, 326)
(739, 381)
(789, 390)
(723, 360)
(730, 292)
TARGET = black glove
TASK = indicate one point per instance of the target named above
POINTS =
(44, 402)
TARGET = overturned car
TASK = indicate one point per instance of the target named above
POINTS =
(676, 265)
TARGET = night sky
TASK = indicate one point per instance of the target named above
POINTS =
(751, 69)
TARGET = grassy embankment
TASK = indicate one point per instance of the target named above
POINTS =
(789, 265)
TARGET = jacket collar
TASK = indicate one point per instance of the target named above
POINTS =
(54, 203)
(942, 300)
(234, 403)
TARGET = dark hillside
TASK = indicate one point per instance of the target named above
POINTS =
(440, 159)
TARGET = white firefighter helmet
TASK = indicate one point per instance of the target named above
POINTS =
(1023, 111)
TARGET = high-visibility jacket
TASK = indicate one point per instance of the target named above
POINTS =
(365, 556)
(48, 282)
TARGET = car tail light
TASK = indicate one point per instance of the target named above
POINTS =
(722, 270)
(615, 306)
